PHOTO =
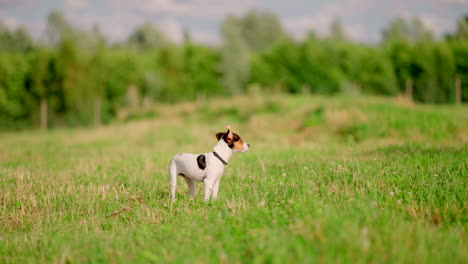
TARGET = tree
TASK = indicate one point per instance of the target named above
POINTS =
(400, 54)
(397, 30)
(443, 74)
(234, 63)
(296, 67)
(460, 55)
(15, 41)
(337, 31)
(22, 40)
(147, 37)
(38, 85)
(90, 41)
(15, 109)
(260, 30)
(367, 68)
(60, 30)
(57, 29)
(255, 32)
(419, 32)
(401, 30)
(462, 29)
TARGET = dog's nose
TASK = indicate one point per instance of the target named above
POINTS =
(248, 145)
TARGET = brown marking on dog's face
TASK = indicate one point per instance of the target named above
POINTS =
(239, 144)
(233, 140)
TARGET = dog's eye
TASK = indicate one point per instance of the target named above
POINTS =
(236, 137)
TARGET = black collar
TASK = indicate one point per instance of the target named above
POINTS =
(219, 157)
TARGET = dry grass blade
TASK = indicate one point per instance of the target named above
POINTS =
(128, 208)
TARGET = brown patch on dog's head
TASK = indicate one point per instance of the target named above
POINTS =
(233, 140)
(219, 135)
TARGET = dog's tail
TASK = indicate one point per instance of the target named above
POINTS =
(173, 177)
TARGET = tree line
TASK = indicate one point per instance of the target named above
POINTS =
(73, 76)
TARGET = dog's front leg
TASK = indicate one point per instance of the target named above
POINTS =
(216, 188)
(208, 188)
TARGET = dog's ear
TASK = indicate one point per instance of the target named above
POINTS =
(219, 135)
(229, 136)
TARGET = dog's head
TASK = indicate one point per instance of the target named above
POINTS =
(233, 140)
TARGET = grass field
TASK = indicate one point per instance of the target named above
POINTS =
(327, 179)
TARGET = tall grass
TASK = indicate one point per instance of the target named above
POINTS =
(338, 179)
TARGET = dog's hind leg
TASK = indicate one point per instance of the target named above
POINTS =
(191, 186)
(173, 178)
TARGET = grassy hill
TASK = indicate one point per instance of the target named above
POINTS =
(327, 179)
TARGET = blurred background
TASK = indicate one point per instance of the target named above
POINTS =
(82, 62)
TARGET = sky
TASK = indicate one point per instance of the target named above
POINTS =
(363, 20)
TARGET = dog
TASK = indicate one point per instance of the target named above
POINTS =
(208, 167)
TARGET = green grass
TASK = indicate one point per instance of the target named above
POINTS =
(327, 179)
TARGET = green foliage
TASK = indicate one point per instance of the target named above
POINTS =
(80, 76)
(431, 66)
(401, 53)
(368, 68)
(462, 29)
(401, 123)
(234, 63)
(337, 31)
(14, 99)
(15, 40)
(460, 55)
(314, 118)
(147, 37)
(261, 30)
(253, 33)
(410, 31)
(185, 73)
(298, 67)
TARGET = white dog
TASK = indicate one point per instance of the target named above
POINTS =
(208, 167)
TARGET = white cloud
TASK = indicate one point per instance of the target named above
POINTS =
(320, 20)
(171, 10)
(438, 24)
(17, 3)
(205, 9)
(172, 28)
(357, 32)
(361, 18)
(458, 1)
(299, 26)
(205, 37)
(11, 22)
(344, 8)
(36, 28)
(120, 25)
(116, 27)
(76, 4)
